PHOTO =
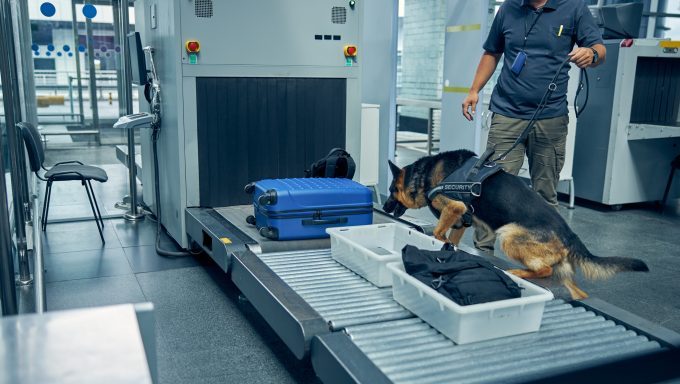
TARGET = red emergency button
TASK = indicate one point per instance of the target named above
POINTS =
(193, 46)
(350, 50)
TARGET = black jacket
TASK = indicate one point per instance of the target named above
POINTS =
(460, 276)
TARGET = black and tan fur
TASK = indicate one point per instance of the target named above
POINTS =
(530, 231)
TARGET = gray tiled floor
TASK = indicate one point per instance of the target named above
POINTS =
(205, 334)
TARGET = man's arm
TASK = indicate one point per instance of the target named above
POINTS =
(583, 56)
(587, 36)
(487, 65)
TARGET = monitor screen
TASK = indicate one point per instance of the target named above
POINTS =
(137, 59)
(619, 21)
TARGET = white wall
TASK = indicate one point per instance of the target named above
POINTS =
(379, 73)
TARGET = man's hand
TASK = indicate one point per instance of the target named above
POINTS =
(582, 57)
(470, 103)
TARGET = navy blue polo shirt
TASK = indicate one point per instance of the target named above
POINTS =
(518, 95)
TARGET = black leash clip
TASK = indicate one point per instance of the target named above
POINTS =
(476, 192)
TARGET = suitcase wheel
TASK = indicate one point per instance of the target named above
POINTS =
(249, 188)
(269, 233)
(250, 220)
(267, 198)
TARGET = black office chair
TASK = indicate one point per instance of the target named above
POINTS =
(64, 171)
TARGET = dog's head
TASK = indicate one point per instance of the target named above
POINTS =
(398, 201)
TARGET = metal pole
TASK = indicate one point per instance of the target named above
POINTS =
(8, 294)
(93, 78)
(651, 21)
(430, 121)
(70, 92)
(38, 269)
(76, 55)
(27, 100)
(126, 79)
(115, 6)
(11, 94)
(126, 87)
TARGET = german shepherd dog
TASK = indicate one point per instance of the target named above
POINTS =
(530, 230)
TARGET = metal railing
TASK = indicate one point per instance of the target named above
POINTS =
(54, 78)
(432, 126)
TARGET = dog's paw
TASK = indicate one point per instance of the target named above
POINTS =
(579, 296)
(441, 236)
(518, 272)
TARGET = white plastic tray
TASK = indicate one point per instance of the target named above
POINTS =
(367, 249)
(469, 323)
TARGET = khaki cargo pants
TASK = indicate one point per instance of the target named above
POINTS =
(545, 149)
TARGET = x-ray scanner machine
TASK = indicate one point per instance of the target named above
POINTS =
(250, 90)
(630, 132)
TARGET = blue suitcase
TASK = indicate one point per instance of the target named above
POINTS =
(292, 209)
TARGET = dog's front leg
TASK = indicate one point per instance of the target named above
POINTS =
(450, 212)
(456, 234)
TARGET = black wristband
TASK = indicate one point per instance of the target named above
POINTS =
(595, 55)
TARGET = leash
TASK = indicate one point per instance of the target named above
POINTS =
(552, 86)
(583, 77)
(475, 170)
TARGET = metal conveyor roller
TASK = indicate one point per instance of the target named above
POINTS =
(339, 295)
(410, 351)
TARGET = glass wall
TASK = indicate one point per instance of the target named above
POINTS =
(672, 20)
(5, 153)
(77, 59)
(6, 194)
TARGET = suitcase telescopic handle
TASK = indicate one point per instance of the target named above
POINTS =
(337, 220)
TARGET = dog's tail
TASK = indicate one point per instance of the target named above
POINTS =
(594, 267)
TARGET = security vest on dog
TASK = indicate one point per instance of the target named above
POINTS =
(465, 183)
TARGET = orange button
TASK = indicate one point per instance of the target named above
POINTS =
(350, 50)
(192, 46)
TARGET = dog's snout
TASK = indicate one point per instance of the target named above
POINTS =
(390, 205)
(394, 207)
(399, 210)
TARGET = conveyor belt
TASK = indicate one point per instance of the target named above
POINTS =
(340, 296)
(410, 351)
(356, 332)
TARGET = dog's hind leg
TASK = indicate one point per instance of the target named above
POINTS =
(455, 235)
(565, 272)
(450, 212)
(537, 252)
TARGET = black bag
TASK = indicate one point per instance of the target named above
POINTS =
(460, 276)
(337, 164)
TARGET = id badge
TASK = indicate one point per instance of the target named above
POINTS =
(518, 64)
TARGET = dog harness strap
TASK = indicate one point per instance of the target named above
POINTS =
(481, 162)
(467, 217)
(465, 183)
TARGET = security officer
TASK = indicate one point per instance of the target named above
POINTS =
(535, 37)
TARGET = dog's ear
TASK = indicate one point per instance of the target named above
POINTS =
(394, 168)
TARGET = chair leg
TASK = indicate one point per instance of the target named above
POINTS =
(42, 216)
(46, 205)
(668, 188)
(94, 212)
(96, 205)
